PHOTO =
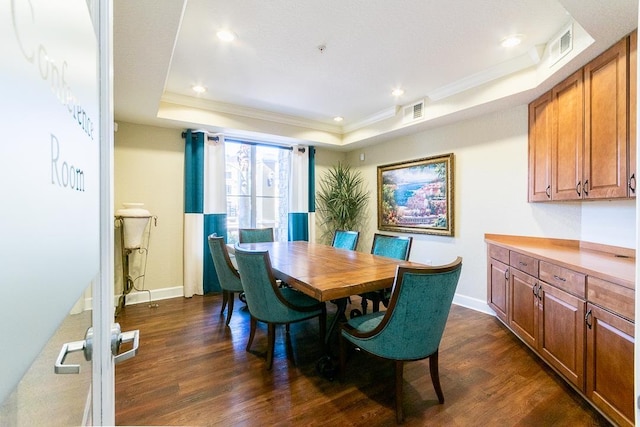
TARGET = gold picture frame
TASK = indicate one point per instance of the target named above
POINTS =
(417, 196)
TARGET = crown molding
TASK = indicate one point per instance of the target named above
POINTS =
(387, 113)
(252, 113)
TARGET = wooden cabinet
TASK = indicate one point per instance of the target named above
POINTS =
(548, 318)
(567, 139)
(633, 106)
(561, 332)
(606, 113)
(498, 280)
(578, 323)
(610, 344)
(540, 127)
(582, 133)
(524, 307)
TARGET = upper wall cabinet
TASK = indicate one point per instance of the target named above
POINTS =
(633, 105)
(540, 149)
(582, 132)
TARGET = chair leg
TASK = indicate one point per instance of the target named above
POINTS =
(363, 304)
(435, 376)
(271, 343)
(225, 297)
(230, 297)
(399, 412)
(252, 332)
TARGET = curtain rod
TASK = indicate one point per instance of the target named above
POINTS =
(216, 137)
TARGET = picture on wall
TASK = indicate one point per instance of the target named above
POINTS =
(417, 196)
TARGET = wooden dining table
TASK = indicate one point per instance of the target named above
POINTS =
(329, 274)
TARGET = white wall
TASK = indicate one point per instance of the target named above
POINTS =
(610, 222)
(490, 191)
(149, 168)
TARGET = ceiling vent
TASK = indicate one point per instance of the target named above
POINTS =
(413, 112)
(561, 45)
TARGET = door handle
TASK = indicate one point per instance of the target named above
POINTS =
(69, 347)
(129, 336)
(86, 346)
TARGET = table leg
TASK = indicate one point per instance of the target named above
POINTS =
(327, 366)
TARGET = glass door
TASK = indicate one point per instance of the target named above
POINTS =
(56, 280)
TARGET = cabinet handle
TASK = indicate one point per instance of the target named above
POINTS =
(562, 279)
(535, 289)
(578, 188)
(585, 188)
(632, 183)
(539, 292)
(524, 264)
(506, 274)
(587, 319)
(548, 191)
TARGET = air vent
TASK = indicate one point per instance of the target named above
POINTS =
(561, 45)
(413, 112)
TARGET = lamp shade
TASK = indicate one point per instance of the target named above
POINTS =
(134, 222)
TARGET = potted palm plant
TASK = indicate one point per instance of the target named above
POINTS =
(341, 201)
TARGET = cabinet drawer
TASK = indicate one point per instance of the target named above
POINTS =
(563, 278)
(524, 263)
(612, 297)
(499, 253)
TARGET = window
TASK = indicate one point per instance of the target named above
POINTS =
(257, 188)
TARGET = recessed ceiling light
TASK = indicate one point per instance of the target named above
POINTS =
(226, 35)
(338, 119)
(511, 41)
(397, 92)
(199, 89)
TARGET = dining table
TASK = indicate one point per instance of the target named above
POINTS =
(329, 274)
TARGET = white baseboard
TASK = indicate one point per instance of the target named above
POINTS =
(143, 297)
(473, 303)
(138, 297)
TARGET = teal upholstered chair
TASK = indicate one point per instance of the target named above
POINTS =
(270, 304)
(412, 326)
(228, 276)
(398, 247)
(345, 239)
(255, 235)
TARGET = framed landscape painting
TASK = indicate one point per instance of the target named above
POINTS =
(417, 196)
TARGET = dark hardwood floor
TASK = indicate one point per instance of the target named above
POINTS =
(193, 370)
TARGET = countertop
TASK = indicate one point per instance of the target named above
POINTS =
(611, 263)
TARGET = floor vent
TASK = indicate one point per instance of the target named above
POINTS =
(413, 112)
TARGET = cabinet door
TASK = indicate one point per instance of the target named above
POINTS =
(633, 119)
(523, 318)
(561, 333)
(540, 127)
(610, 344)
(567, 139)
(606, 148)
(497, 295)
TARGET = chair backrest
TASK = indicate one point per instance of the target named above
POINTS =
(255, 235)
(414, 322)
(227, 274)
(264, 300)
(398, 247)
(345, 239)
